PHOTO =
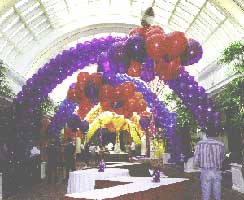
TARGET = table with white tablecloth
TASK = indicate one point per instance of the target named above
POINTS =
(137, 188)
(84, 180)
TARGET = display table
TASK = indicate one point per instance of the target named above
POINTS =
(237, 180)
(116, 157)
(140, 188)
(84, 180)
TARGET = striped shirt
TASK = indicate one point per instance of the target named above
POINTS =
(209, 154)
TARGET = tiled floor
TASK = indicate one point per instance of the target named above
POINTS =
(44, 191)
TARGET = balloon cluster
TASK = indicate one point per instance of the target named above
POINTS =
(196, 99)
(61, 117)
(149, 52)
(121, 99)
(75, 123)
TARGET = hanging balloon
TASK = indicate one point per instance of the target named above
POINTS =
(135, 47)
(138, 30)
(176, 44)
(144, 122)
(91, 90)
(192, 54)
(153, 30)
(117, 53)
(128, 89)
(106, 92)
(84, 126)
(155, 46)
(134, 69)
(83, 77)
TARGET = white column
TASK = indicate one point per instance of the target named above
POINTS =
(237, 179)
(43, 170)
(166, 157)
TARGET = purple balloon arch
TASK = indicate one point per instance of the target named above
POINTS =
(111, 59)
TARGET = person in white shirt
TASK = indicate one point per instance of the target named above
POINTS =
(110, 146)
(35, 164)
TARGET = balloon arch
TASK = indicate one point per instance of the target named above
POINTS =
(147, 53)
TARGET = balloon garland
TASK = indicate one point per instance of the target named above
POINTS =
(89, 90)
(147, 53)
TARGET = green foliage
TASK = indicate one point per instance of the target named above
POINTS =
(186, 122)
(5, 90)
(231, 102)
(234, 55)
(48, 107)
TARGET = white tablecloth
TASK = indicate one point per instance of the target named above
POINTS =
(138, 184)
(84, 180)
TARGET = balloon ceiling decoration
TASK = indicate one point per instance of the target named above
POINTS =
(147, 53)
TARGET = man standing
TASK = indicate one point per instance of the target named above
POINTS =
(69, 157)
(209, 155)
(52, 161)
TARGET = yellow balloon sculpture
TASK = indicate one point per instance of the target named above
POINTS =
(94, 113)
(159, 148)
(118, 121)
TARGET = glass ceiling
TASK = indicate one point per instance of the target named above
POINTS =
(29, 23)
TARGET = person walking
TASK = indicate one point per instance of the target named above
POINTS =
(209, 155)
(69, 157)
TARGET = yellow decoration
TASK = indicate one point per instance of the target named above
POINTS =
(159, 148)
(119, 122)
(94, 113)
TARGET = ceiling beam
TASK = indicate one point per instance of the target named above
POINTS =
(232, 9)
(24, 22)
(67, 6)
(45, 13)
(197, 15)
(173, 11)
(11, 42)
(213, 32)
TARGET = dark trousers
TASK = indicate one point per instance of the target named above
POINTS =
(70, 166)
(52, 172)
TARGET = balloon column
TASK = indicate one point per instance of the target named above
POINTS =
(196, 99)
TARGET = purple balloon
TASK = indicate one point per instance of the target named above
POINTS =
(117, 53)
(144, 122)
(147, 75)
(91, 90)
(192, 54)
(135, 47)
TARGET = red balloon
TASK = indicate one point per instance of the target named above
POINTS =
(83, 77)
(134, 69)
(118, 93)
(170, 70)
(132, 104)
(71, 94)
(128, 89)
(154, 30)
(106, 105)
(106, 92)
(138, 30)
(155, 46)
(138, 96)
(176, 44)
(128, 114)
(96, 78)
(142, 105)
